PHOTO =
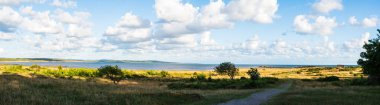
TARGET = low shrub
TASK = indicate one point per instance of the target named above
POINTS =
(243, 78)
(35, 67)
(164, 74)
(152, 72)
(314, 70)
(201, 77)
(328, 79)
(253, 73)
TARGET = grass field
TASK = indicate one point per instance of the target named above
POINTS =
(52, 85)
(328, 93)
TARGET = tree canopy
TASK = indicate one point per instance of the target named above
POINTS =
(227, 68)
(370, 59)
(113, 73)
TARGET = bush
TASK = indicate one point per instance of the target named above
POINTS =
(201, 77)
(243, 78)
(35, 67)
(227, 68)
(113, 73)
(152, 72)
(314, 70)
(164, 74)
(328, 79)
(253, 73)
(59, 67)
(14, 67)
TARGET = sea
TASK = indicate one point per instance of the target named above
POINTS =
(155, 65)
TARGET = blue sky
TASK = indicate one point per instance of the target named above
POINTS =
(195, 31)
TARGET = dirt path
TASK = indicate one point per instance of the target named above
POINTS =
(259, 97)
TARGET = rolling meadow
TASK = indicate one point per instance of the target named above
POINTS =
(62, 86)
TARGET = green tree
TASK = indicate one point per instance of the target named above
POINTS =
(253, 73)
(227, 68)
(59, 67)
(370, 59)
(113, 73)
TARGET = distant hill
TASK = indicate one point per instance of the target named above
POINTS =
(37, 60)
(74, 60)
(132, 61)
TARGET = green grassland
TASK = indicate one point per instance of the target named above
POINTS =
(65, 86)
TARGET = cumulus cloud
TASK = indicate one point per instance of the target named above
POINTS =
(59, 30)
(212, 16)
(252, 43)
(17, 2)
(40, 22)
(261, 11)
(355, 44)
(72, 18)
(353, 21)
(325, 6)
(130, 29)
(175, 10)
(6, 36)
(366, 22)
(206, 39)
(9, 19)
(178, 18)
(320, 25)
(181, 42)
(64, 3)
(370, 22)
(1, 50)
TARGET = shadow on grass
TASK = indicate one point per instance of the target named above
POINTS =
(348, 91)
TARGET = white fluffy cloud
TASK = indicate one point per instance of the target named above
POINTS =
(181, 42)
(261, 11)
(175, 10)
(72, 18)
(64, 3)
(355, 44)
(9, 19)
(366, 22)
(353, 21)
(16, 2)
(130, 29)
(252, 43)
(325, 6)
(180, 19)
(212, 16)
(6, 36)
(320, 25)
(370, 22)
(40, 22)
(206, 39)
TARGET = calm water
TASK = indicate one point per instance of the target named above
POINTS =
(149, 66)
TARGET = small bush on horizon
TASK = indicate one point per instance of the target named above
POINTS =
(164, 74)
(35, 67)
(59, 67)
(328, 79)
(253, 73)
(227, 68)
(113, 73)
(152, 72)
